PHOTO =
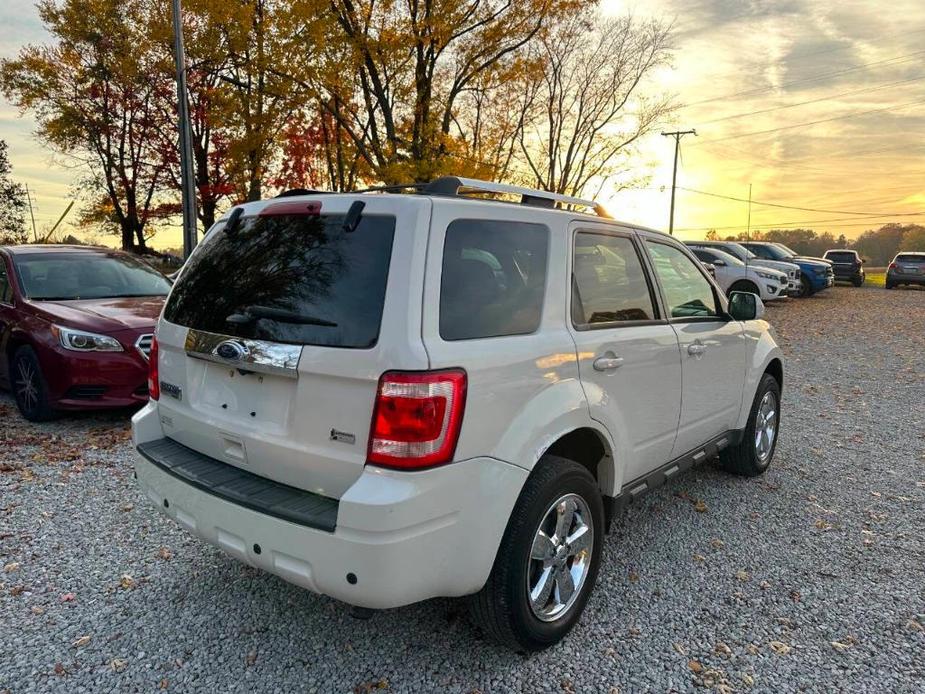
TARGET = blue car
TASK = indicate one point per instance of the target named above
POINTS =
(816, 275)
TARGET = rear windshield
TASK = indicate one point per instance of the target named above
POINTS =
(297, 279)
(912, 259)
(841, 256)
(58, 276)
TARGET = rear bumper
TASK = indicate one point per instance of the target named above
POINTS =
(399, 537)
(906, 278)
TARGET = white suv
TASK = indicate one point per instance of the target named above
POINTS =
(737, 250)
(732, 275)
(390, 397)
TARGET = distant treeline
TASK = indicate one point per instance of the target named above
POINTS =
(877, 246)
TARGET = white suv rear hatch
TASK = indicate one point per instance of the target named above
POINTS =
(275, 335)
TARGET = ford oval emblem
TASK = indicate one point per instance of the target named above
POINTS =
(231, 350)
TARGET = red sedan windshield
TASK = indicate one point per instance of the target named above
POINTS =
(70, 276)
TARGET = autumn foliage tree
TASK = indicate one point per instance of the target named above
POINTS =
(94, 98)
(12, 203)
(586, 104)
(404, 66)
(333, 94)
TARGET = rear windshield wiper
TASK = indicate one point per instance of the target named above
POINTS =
(251, 313)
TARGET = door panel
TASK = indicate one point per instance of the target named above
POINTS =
(713, 373)
(712, 347)
(628, 357)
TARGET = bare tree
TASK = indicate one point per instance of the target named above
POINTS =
(586, 104)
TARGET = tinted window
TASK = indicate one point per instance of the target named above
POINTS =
(494, 275)
(58, 276)
(609, 284)
(703, 255)
(687, 291)
(6, 291)
(293, 278)
(910, 258)
(841, 256)
(769, 252)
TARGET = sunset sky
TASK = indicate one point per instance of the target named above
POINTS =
(841, 85)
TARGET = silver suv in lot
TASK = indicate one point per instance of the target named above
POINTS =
(386, 398)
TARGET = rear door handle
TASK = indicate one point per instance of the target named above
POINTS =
(695, 349)
(608, 363)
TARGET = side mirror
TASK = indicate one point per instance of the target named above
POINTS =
(719, 262)
(745, 306)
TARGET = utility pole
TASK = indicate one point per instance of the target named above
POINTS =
(35, 234)
(677, 135)
(188, 183)
(748, 224)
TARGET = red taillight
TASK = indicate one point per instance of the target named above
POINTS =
(892, 266)
(416, 419)
(154, 383)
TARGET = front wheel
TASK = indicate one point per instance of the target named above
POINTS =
(548, 560)
(29, 387)
(752, 456)
(806, 288)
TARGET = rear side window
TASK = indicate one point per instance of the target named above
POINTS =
(608, 282)
(493, 279)
(291, 278)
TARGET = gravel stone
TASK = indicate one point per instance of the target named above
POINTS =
(752, 594)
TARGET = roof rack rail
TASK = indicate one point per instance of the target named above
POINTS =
(452, 185)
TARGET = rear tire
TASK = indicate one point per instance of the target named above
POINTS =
(559, 500)
(890, 285)
(744, 286)
(29, 387)
(857, 281)
(753, 454)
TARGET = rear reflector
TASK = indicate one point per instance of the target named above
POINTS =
(417, 418)
(154, 384)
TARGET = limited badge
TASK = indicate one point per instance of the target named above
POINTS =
(343, 436)
(172, 390)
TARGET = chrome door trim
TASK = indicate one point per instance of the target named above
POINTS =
(255, 355)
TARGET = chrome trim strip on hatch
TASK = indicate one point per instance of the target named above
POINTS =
(243, 353)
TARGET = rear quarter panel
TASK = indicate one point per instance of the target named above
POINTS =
(524, 391)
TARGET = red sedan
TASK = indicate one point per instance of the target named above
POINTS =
(75, 327)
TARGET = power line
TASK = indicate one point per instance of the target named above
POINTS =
(897, 60)
(864, 90)
(793, 225)
(815, 122)
(802, 209)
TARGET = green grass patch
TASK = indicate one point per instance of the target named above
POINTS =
(875, 279)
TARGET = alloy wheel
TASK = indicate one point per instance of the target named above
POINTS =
(765, 426)
(560, 558)
(26, 384)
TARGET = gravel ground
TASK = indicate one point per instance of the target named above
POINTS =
(811, 578)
